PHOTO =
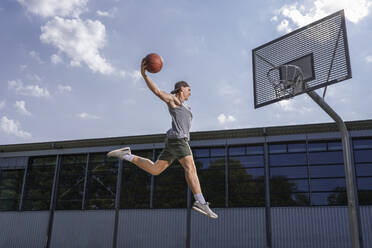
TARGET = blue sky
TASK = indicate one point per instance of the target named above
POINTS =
(70, 69)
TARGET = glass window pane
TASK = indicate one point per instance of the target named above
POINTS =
(290, 199)
(326, 158)
(200, 152)
(313, 147)
(239, 150)
(246, 174)
(39, 183)
(365, 197)
(170, 189)
(239, 199)
(217, 163)
(327, 171)
(297, 147)
(10, 188)
(364, 169)
(246, 161)
(135, 189)
(288, 159)
(364, 183)
(330, 184)
(209, 163)
(329, 198)
(289, 172)
(71, 182)
(363, 156)
(280, 184)
(255, 149)
(363, 144)
(335, 146)
(218, 152)
(101, 182)
(277, 148)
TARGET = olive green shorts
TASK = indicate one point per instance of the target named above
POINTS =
(175, 149)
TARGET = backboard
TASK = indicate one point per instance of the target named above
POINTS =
(320, 50)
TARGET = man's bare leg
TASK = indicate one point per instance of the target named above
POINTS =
(145, 164)
(190, 174)
(193, 181)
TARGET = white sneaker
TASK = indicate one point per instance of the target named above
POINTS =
(119, 153)
(204, 209)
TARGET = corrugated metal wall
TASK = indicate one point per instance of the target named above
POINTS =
(303, 227)
(235, 227)
(152, 228)
(78, 229)
(23, 229)
(318, 227)
(366, 220)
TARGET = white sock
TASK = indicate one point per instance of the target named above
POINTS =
(200, 198)
(128, 157)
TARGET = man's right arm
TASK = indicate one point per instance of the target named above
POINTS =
(166, 97)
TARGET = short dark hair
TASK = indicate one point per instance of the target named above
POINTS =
(178, 85)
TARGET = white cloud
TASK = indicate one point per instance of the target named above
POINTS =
(64, 88)
(30, 90)
(102, 13)
(284, 26)
(111, 13)
(80, 40)
(122, 73)
(297, 106)
(87, 116)
(13, 127)
(135, 75)
(36, 56)
(222, 118)
(56, 59)
(50, 8)
(369, 59)
(22, 67)
(2, 104)
(21, 108)
(300, 15)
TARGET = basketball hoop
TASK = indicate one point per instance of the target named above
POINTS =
(287, 80)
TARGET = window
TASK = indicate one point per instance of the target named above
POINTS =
(101, 182)
(211, 173)
(363, 164)
(10, 188)
(289, 183)
(136, 184)
(246, 176)
(327, 173)
(71, 181)
(39, 183)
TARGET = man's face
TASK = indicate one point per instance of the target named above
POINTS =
(186, 91)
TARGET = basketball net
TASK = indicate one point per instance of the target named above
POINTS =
(287, 80)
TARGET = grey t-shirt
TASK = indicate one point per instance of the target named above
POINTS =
(181, 122)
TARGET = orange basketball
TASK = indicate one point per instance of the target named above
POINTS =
(154, 62)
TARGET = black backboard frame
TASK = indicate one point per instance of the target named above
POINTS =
(344, 49)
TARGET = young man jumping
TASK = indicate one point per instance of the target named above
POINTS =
(176, 144)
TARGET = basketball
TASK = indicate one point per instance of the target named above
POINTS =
(154, 62)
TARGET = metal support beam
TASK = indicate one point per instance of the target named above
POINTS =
(117, 202)
(23, 185)
(83, 202)
(188, 218)
(267, 195)
(351, 189)
(53, 201)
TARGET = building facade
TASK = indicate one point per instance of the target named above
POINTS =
(271, 187)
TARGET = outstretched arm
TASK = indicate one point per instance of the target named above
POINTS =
(166, 97)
